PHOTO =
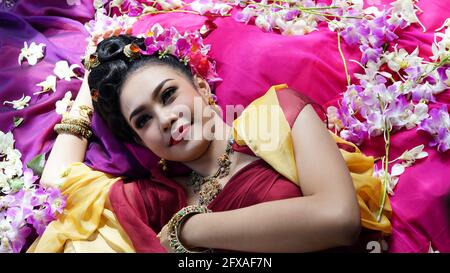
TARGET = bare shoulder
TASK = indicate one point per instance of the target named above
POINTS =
(319, 161)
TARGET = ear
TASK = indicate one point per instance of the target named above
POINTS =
(202, 86)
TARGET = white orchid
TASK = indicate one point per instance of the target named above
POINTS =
(401, 59)
(406, 10)
(392, 178)
(262, 23)
(73, 2)
(441, 49)
(376, 123)
(169, 4)
(64, 104)
(6, 141)
(32, 53)
(63, 71)
(298, 27)
(410, 156)
(47, 85)
(420, 113)
(222, 8)
(99, 3)
(333, 118)
(20, 103)
(4, 184)
(11, 164)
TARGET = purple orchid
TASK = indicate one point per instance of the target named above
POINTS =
(424, 91)
(55, 200)
(291, 14)
(370, 54)
(40, 219)
(442, 140)
(351, 35)
(438, 125)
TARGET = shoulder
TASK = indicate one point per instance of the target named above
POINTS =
(293, 102)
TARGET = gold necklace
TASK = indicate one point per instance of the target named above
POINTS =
(209, 187)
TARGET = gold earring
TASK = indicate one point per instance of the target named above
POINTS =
(163, 164)
(212, 100)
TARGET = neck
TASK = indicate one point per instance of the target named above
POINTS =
(206, 164)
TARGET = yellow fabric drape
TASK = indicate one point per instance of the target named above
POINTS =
(87, 223)
(251, 129)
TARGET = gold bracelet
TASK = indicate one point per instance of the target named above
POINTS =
(174, 227)
(85, 111)
(76, 121)
(72, 129)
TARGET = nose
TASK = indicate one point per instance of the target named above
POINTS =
(166, 119)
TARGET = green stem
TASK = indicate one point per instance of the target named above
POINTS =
(436, 66)
(307, 10)
(347, 76)
(385, 163)
(331, 15)
(180, 11)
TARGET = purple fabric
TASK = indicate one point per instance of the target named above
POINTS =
(249, 61)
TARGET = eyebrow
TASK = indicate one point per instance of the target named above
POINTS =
(154, 95)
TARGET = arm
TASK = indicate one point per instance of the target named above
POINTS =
(67, 149)
(327, 216)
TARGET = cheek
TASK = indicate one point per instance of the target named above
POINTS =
(152, 138)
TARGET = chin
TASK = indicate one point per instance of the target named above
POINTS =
(189, 150)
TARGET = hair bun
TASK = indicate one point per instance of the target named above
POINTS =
(112, 48)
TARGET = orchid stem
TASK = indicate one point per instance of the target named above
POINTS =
(347, 76)
(387, 135)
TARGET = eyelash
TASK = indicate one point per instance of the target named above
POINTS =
(167, 94)
(141, 121)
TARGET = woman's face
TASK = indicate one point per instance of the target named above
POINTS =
(167, 112)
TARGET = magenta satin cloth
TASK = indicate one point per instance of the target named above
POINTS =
(249, 61)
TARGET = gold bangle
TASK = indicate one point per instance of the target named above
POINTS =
(72, 129)
(85, 111)
(76, 121)
(174, 227)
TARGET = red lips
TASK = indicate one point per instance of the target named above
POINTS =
(181, 131)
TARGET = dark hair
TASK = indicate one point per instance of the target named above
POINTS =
(110, 75)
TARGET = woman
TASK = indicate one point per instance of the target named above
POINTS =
(255, 205)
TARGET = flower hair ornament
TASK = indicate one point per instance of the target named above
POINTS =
(187, 47)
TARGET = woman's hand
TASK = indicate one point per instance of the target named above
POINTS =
(163, 236)
(186, 232)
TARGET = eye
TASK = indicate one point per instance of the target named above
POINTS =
(167, 94)
(141, 121)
